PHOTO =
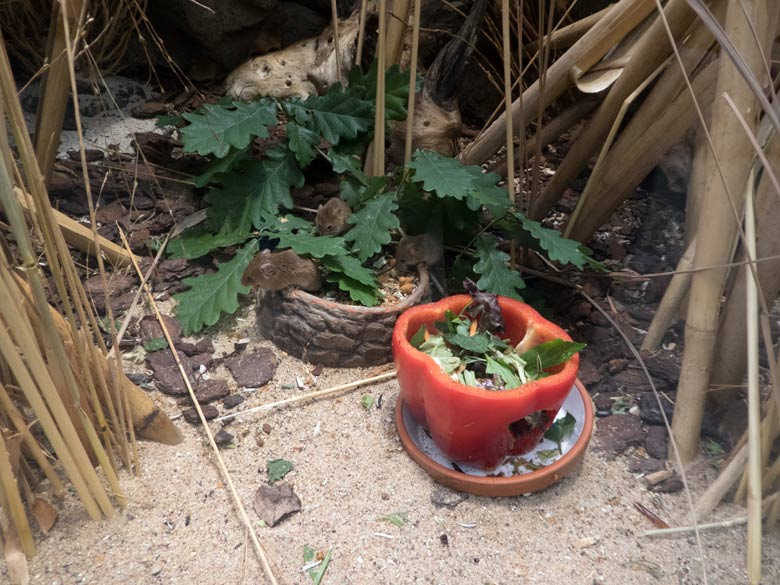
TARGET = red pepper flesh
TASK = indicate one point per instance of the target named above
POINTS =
(474, 425)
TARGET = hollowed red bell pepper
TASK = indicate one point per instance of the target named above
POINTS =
(470, 424)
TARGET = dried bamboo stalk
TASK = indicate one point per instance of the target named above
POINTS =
(568, 35)
(377, 147)
(412, 82)
(754, 399)
(10, 409)
(396, 31)
(729, 365)
(652, 49)
(717, 227)
(55, 88)
(666, 313)
(11, 496)
(510, 145)
(618, 22)
(654, 129)
(334, 13)
(550, 132)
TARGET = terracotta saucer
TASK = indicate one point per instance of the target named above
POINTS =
(512, 477)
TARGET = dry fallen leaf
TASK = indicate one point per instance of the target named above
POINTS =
(274, 502)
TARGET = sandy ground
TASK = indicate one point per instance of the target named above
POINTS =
(181, 526)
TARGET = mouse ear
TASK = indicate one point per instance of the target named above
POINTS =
(268, 271)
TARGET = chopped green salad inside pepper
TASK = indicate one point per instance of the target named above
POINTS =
(468, 348)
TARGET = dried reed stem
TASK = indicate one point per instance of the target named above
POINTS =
(312, 395)
(412, 82)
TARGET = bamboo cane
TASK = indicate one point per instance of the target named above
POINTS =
(334, 12)
(649, 135)
(754, 400)
(618, 22)
(510, 145)
(377, 147)
(652, 49)
(361, 33)
(412, 82)
(13, 498)
(396, 31)
(666, 313)
(729, 365)
(54, 91)
(549, 133)
(717, 227)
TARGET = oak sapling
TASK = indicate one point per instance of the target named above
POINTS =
(332, 217)
(272, 271)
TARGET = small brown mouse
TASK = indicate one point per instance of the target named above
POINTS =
(332, 217)
(415, 250)
(273, 271)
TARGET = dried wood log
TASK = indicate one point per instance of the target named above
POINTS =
(300, 70)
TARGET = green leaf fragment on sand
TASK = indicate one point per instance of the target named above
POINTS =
(277, 469)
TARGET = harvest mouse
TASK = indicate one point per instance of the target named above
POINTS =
(416, 250)
(273, 271)
(332, 217)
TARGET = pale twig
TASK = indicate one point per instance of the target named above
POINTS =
(312, 395)
(218, 456)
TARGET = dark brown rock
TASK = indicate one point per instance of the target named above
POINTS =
(604, 402)
(267, 428)
(614, 434)
(201, 359)
(166, 373)
(253, 369)
(191, 414)
(589, 373)
(233, 400)
(150, 328)
(210, 390)
(223, 438)
(656, 442)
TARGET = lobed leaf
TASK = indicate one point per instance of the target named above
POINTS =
(372, 226)
(216, 128)
(211, 295)
(496, 277)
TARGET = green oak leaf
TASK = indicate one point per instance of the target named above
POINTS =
(302, 142)
(495, 276)
(334, 116)
(350, 267)
(558, 248)
(259, 189)
(440, 174)
(220, 166)
(310, 245)
(210, 295)
(214, 129)
(372, 226)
